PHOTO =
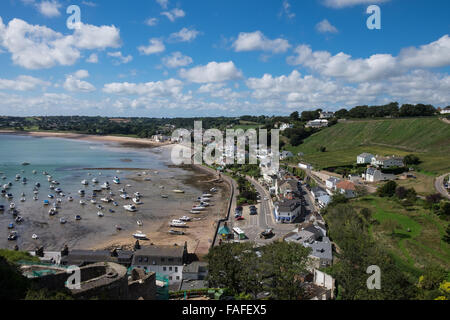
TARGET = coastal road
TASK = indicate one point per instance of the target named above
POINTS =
(439, 185)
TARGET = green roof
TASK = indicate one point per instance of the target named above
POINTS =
(224, 230)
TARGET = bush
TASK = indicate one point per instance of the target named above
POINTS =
(388, 189)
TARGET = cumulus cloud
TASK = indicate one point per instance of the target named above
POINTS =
(49, 8)
(93, 58)
(163, 3)
(39, 47)
(325, 26)
(377, 66)
(286, 10)
(120, 58)
(23, 83)
(176, 60)
(339, 4)
(151, 22)
(254, 41)
(184, 35)
(167, 88)
(74, 83)
(155, 46)
(212, 72)
(174, 14)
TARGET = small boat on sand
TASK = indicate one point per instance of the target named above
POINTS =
(178, 191)
(140, 236)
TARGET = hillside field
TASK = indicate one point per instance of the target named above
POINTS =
(428, 138)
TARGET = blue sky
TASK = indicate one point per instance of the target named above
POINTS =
(166, 58)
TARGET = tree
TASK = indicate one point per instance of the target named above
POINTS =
(387, 190)
(284, 263)
(411, 160)
(446, 237)
(401, 193)
(294, 116)
(338, 198)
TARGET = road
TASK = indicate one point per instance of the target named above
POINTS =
(439, 185)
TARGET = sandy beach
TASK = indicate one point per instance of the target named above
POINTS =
(155, 213)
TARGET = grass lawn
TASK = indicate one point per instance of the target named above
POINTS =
(412, 250)
(428, 138)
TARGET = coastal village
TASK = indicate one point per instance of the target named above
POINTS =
(288, 207)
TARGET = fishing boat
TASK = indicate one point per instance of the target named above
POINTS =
(9, 196)
(95, 180)
(137, 195)
(93, 201)
(69, 199)
(185, 219)
(11, 226)
(116, 180)
(115, 204)
(77, 217)
(207, 195)
(84, 182)
(81, 192)
(178, 191)
(106, 200)
(122, 190)
(100, 214)
(137, 201)
(198, 208)
(46, 202)
(17, 177)
(140, 236)
(23, 199)
(213, 190)
(51, 196)
(25, 163)
(164, 196)
(24, 180)
(130, 207)
(118, 228)
(99, 207)
(52, 212)
(34, 171)
(82, 202)
(58, 190)
(139, 223)
(19, 219)
(34, 236)
(62, 221)
(176, 233)
(105, 185)
(38, 185)
(125, 196)
(59, 200)
(111, 211)
(35, 198)
(177, 224)
(12, 206)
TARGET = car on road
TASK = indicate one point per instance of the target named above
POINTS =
(267, 234)
(265, 198)
(253, 211)
(239, 218)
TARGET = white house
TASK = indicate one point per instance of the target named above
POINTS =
(165, 260)
(324, 201)
(387, 162)
(285, 126)
(375, 175)
(305, 166)
(446, 110)
(332, 182)
(347, 188)
(318, 123)
(364, 158)
(326, 115)
(287, 211)
(286, 154)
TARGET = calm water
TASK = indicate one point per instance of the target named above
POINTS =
(66, 161)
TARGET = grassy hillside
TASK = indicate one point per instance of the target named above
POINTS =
(429, 138)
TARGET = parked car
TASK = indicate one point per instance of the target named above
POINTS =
(266, 234)
(239, 218)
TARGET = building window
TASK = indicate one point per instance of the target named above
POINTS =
(164, 268)
(176, 269)
(170, 268)
(178, 278)
(140, 259)
(154, 262)
(170, 278)
(145, 259)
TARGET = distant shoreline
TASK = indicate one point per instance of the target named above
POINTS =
(138, 142)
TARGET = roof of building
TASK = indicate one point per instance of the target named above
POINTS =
(161, 251)
(321, 249)
(290, 185)
(196, 267)
(346, 185)
(288, 205)
(333, 179)
(365, 154)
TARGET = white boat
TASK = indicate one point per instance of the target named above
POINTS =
(177, 224)
(95, 180)
(195, 212)
(130, 207)
(137, 195)
(178, 191)
(93, 201)
(81, 192)
(69, 199)
(207, 195)
(35, 198)
(116, 180)
(185, 219)
(213, 190)
(122, 190)
(9, 196)
(139, 223)
(59, 200)
(105, 185)
(34, 236)
(198, 209)
(84, 182)
(62, 221)
(125, 196)
(52, 212)
(106, 200)
(34, 171)
(12, 206)
(100, 214)
(137, 201)
(164, 196)
(140, 236)
(82, 202)
(22, 199)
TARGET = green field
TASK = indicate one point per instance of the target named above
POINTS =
(428, 138)
(420, 246)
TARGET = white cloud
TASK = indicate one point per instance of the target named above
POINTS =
(39, 47)
(338, 4)
(93, 58)
(184, 35)
(212, 72)
(155, 46)
(325, 26)
(257, 41)
(167, 88)
(163, 3)
(23, 83)
(377, 66)
(174, 14)
(176, 60)
(151, 22)
(49, 9)
(74, 83)
(120, 58)
(287, 10)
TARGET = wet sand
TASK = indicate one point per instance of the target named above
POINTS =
(93, 232)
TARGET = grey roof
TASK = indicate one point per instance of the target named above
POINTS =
(159, 255)
(195, 267)
(288, 205)
(371, 171)
(365, 154)
(321, 249)
(193, 284)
